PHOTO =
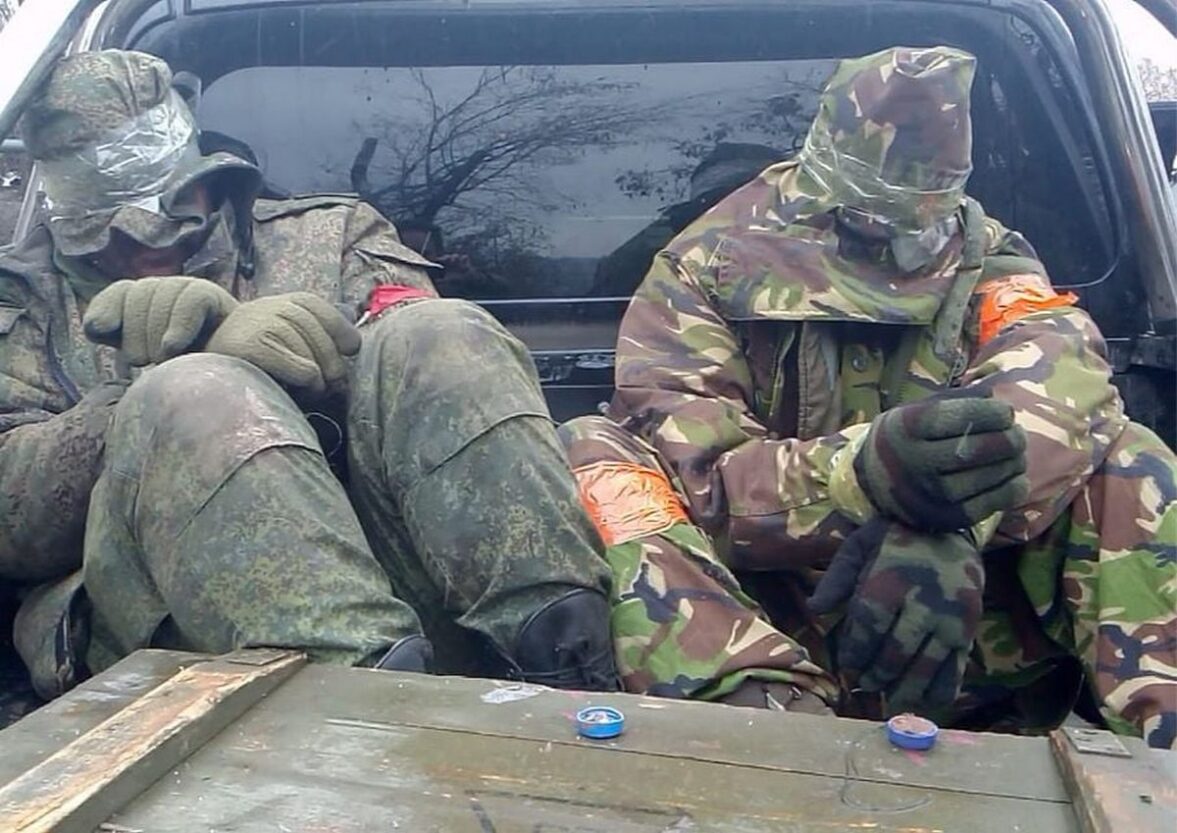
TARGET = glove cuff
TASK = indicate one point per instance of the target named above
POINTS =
(983, 531)
(846, 491)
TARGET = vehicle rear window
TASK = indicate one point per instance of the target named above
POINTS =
(543, 149)
(525, 181)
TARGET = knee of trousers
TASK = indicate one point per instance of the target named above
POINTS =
(597, 439)
(200, 416)
(455, 342)
(442, 373)
(1131, 499)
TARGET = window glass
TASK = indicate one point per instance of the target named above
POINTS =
(1152, 48)
(550, 155)
(14, 171)
(525, 181)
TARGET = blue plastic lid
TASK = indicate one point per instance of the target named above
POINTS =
(910, 731)
(600, 722)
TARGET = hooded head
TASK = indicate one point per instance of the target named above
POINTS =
(890, 147)
(117, 151)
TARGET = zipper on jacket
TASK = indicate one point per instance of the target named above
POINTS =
(55, 367)
(785, 385)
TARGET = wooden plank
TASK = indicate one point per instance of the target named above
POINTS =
(985, 764)
(277, 771)
(42, 733)
(352, 750)
(1118, 784)
(78, 787)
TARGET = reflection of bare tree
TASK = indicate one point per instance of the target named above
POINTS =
(780, 118)
(487, 140)
(468, 150)
(1160, 83)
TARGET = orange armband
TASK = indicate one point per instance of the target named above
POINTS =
(627, 501)
(1006, 300)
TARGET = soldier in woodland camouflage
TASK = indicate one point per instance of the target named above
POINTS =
(851, 388)
(275, 475)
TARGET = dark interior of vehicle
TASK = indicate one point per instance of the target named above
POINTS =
(534, 148)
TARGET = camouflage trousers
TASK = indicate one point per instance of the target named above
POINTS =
(1093, 599)
(217, 522)
(682, 626)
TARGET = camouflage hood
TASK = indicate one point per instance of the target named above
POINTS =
(891, 146)
(117, 148)
(890, 149)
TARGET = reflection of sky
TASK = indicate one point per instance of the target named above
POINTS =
(1143, 34)
(321, 115)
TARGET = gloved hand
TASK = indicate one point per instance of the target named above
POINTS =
(914, 607)
(299, 339)
(944, 463)
(154, 319)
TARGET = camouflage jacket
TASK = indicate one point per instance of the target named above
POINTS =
(758, 349)
(52, 413)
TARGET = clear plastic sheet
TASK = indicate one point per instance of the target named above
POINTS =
(131, 167)
(924, 215)
(913, 250)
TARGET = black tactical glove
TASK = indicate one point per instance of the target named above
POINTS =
(945, 463)
(913, 611)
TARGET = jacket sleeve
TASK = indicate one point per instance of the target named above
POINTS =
(48, 467)
(373, 255)
(1036, 350)
(684, 386)
(49, 457)
(1051, 366)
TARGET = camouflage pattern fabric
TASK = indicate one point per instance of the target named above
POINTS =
(681, 625)
(91, 97)
(892, 137)
(138, 184)
(768, 335)
(913, 602)
(268, 504)
(1102, 580)
(200, 507)
(216, 523)
(465, 494)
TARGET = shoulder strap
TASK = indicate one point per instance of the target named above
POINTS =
(946, 329)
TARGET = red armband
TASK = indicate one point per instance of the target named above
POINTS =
(390, 295)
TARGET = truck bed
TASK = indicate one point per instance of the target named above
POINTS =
(260, 741)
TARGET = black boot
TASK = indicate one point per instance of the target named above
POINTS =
(413, 653)
(567, 644)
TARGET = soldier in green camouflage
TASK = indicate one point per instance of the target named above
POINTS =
(200, 449)
(849, 387)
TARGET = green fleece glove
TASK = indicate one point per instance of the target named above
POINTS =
(914, 608)
(151, 320)
(944, 463)
(299, 339)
